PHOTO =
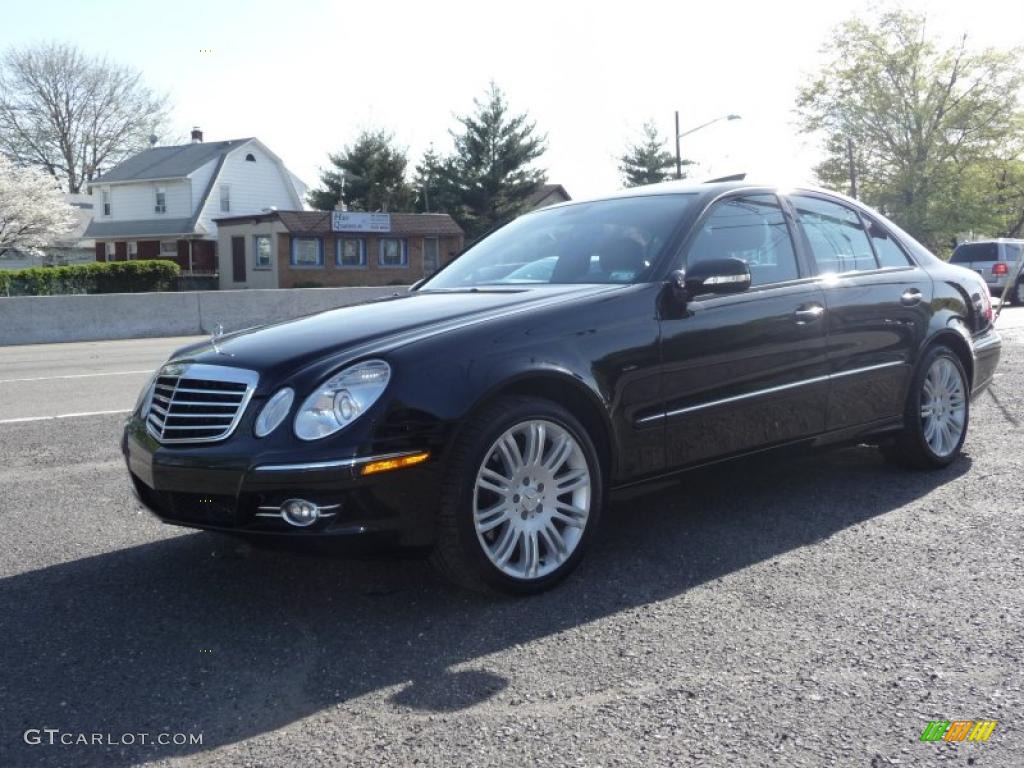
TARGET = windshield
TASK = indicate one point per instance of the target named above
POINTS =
(608, 241)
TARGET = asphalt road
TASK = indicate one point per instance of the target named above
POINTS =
(808, 611)
(48, 380)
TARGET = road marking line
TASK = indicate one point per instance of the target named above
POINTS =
(77, 376)
(63, 416)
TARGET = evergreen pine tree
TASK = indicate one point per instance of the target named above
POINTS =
(369, 174)
(647, 161)
(494, 152)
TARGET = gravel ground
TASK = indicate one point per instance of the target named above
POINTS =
(797, 611)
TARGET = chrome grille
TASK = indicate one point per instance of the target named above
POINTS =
(197, 403)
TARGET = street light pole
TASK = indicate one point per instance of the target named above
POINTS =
(679, 158)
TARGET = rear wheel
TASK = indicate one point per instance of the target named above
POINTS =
(1018, 294)
(521, 499)
(937, 412)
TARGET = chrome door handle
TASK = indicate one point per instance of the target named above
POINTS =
(910, 297)
(809, 314)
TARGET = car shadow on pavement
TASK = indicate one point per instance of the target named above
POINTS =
(198, 634)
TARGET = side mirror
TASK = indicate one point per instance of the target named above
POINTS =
(714, 276)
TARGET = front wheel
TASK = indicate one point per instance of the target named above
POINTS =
(521, 499)
(937, 412)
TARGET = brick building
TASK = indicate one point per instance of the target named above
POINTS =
(285, 249)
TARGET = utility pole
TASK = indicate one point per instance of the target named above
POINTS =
(853, 168)
(679, 159)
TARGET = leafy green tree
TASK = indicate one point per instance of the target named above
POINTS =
(648, 161)
(936, 131)
(492, 163)
(369, 175)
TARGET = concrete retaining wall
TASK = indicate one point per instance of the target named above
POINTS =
(98, 317)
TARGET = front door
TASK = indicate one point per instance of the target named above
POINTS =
(430, 256)
(749, 369)
(238, 259)
(878, 306)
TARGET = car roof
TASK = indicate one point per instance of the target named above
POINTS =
(707, 190)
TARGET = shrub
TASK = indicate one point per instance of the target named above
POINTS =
(96, 277)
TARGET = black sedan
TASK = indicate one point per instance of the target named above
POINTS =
(489, 413)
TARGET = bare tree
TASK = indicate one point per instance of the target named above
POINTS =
(72, 114)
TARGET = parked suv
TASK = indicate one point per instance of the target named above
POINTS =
(996, 261)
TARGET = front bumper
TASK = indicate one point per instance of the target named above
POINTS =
(213, 488)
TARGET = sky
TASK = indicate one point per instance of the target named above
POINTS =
(306, 76)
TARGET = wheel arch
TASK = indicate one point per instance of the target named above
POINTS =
(567, 391)
(955, 336)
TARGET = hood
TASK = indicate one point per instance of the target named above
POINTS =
(372, 327)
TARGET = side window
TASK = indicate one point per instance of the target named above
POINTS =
(836, 235)
(751, 228)
(888, 251)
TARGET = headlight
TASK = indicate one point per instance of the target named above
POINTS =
(146, 396)
(274, 412)
(342, 399)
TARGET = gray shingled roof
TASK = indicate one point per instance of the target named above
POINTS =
(153, 227)
(168, 162)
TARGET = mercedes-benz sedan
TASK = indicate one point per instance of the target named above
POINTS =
(488, 417)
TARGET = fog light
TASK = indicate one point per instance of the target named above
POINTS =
(300, 512)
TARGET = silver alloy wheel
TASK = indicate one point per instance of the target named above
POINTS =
(532, 499)
(943, 407)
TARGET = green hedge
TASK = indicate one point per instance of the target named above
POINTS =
(97, 277)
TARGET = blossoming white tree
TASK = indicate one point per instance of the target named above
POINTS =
(32, 210)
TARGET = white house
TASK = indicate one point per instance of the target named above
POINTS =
(162, 203)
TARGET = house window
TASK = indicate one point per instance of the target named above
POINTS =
(133, 249)
(250, 158)
(394, 252)
(225, 198)
(351, 252)
(161, 200)
(261, 249)
(106, 202)
(168, 247)
(307, 252)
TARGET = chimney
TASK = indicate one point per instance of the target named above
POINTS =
(197, 135)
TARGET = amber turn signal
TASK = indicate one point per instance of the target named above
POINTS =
(386, 465)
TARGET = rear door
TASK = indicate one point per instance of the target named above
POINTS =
(878, 305)
(749, 369)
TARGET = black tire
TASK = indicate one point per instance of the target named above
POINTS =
(458, 553)
(910, 448)
(1017, 294)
